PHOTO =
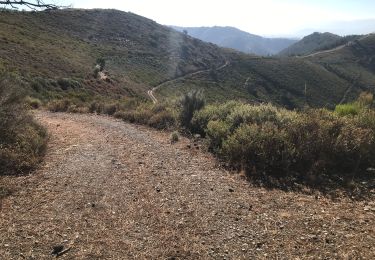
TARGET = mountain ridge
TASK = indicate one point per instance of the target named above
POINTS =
(231, 37)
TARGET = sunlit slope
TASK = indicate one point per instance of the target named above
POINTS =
(56, 51)
(138, 52)
(355, 63)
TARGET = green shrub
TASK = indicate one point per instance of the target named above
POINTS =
(350, 109)
(66, 83)
(189, 103)
(22, 140)
(364, 101)
(217, 132)
(201, 117)
(310, 145)
(263, 148)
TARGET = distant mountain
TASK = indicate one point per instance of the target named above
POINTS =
(234, 38)
(342, 28)
(313, 42)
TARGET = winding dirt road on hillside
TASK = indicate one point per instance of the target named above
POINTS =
(150, 92)
(112, 190)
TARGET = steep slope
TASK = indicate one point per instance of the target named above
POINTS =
(311, 43)
(234, 38)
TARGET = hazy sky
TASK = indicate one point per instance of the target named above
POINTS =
(264, 17)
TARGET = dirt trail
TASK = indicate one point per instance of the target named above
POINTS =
(323, 52)
(112, 190)
(150, 92)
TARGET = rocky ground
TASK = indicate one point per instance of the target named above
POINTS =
(112, 190)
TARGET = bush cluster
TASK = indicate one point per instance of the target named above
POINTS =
(307, 145)
(22, 140)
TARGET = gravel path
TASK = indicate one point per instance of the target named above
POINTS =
(112, 190)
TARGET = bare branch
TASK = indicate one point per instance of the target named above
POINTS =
(33, 5)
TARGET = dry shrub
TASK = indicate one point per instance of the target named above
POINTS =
(157, 116)
(59, 105)
(77, 109)
(96, 107)
(22, 140)
(110, 109)
(163, 120)
(174, 137)
(33, 103)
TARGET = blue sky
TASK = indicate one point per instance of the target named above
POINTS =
(264, 17)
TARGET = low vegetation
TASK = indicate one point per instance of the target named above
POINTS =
(285, 147)
(279, 146)
(22, 140)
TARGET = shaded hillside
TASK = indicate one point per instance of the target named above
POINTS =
(311, 43)
(234, 38)
(56, 51)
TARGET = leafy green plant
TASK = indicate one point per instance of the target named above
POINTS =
(350, 109)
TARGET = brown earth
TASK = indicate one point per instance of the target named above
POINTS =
(112, 190)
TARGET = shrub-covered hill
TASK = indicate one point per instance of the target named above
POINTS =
(56, 51)
(354, 62)
(311, 43)
(66, 44)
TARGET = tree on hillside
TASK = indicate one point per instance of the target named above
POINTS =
(31, 4)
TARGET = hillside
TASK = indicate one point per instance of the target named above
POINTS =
(56, 52)
(311, 43)
(354, 62)
(234, 38)
(52, 45)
